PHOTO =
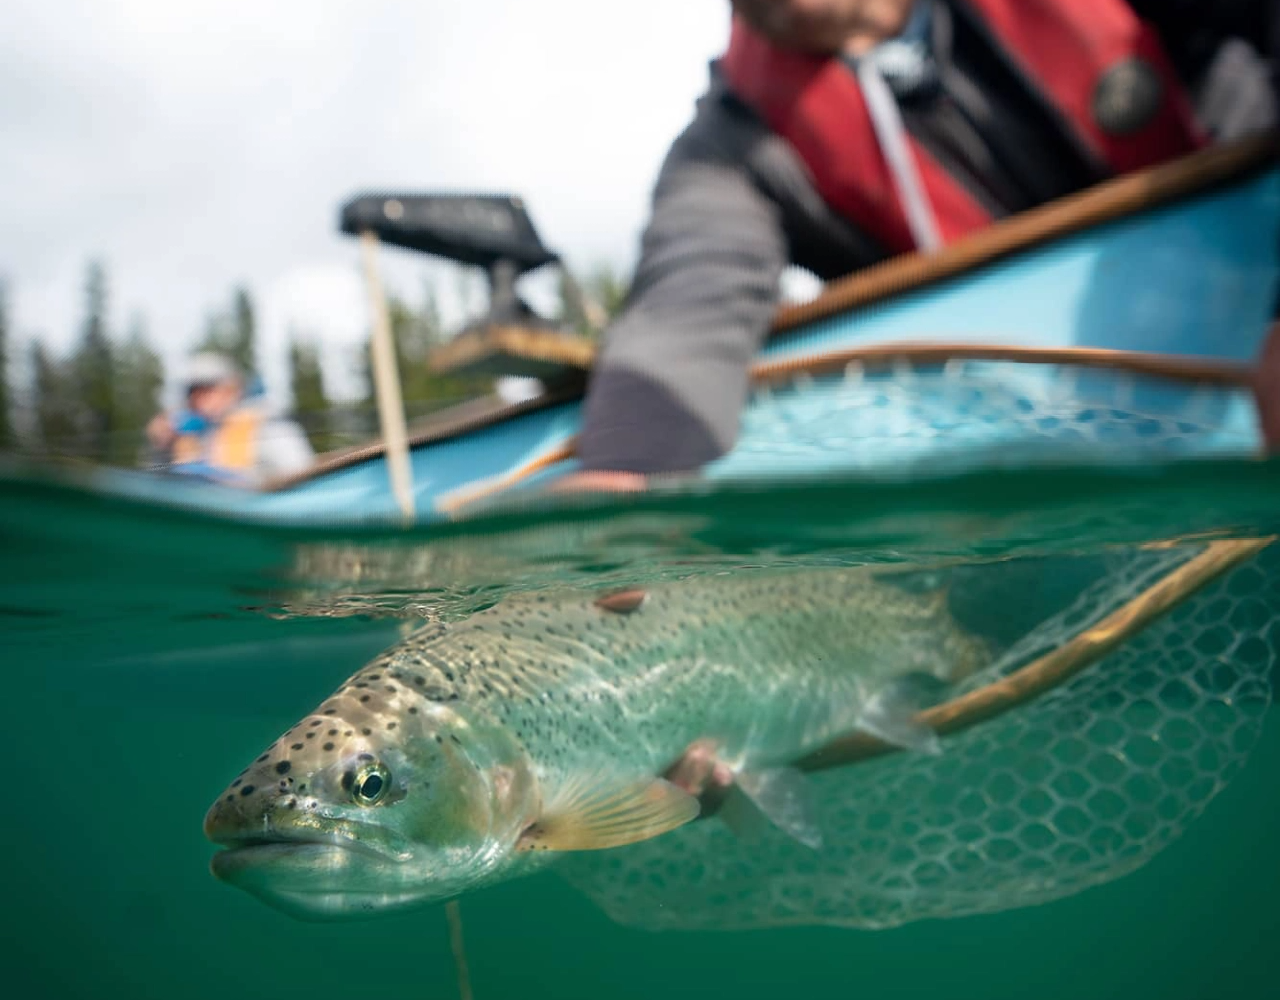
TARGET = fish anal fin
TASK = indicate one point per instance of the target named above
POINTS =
(782, 796)
(591, 814)
(892, 716)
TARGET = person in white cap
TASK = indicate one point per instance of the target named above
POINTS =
(224, 436)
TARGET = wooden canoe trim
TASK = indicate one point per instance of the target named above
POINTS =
(1106, 202)
(1183, 368)
(1060, 665)
(468, 493)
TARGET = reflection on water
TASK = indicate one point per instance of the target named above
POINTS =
(151, 657)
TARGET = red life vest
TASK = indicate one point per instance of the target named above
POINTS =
(1064, 48)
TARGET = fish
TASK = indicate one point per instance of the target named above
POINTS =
(560, 722)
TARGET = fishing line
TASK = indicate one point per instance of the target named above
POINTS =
(454, 915)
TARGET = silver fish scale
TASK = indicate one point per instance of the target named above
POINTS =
(768, 665)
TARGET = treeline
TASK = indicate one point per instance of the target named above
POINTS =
(91, 404)
(94, 402)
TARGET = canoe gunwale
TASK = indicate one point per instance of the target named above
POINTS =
(1121, 197)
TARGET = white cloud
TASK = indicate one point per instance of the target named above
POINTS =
(194, 146)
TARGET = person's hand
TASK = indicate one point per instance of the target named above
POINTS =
(160, 431)
(825, 26)
(600, 481)
(1266, 390)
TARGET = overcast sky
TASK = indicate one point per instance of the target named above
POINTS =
(196, 145)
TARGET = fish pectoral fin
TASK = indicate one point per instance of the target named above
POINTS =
(782, 796)
(591, 813)
(891, 714)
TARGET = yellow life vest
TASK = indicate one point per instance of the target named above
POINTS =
(231, 445)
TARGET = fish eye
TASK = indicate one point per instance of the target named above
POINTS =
(371, 784)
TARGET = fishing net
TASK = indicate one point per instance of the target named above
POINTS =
(968, 414)
(1081, 785)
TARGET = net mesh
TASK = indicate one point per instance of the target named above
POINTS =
(967, 414)
(1086, 783)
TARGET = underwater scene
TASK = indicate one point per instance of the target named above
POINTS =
(993, 735)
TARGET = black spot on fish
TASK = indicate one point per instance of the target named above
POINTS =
(348, 733)
(391, 689)
(327, 746)
(316, 722)
(367, 731)
(413, 709)
(439, 738)
(247, 790)
(283, 767)
(311, 736)
(419, 680)
(333, 732)
(263, 757)
(297, 746)
(364, 697)
(348, 779)
(330, 711)
(455, 739)
(231, 798)
(236, 783)
(362, 685)
(375, 677)
(391, 725)
(291, 804)
(365, 756)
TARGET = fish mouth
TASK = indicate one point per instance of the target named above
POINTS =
(281, 831)
(273, 842)
(314, 875)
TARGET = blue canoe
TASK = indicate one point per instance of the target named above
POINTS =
(1119, 325)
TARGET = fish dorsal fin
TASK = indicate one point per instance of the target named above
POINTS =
(592, 812)
(622, 602)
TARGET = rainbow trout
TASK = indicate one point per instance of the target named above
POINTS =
(474, 752)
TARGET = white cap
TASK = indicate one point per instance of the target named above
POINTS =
(208, 368)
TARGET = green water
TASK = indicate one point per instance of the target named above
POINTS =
(150, 654)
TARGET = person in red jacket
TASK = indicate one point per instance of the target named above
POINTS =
(837, 133)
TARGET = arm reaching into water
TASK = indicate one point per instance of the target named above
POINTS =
(672, 377)
(732, 207)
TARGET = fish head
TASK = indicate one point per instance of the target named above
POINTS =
(363, 808)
